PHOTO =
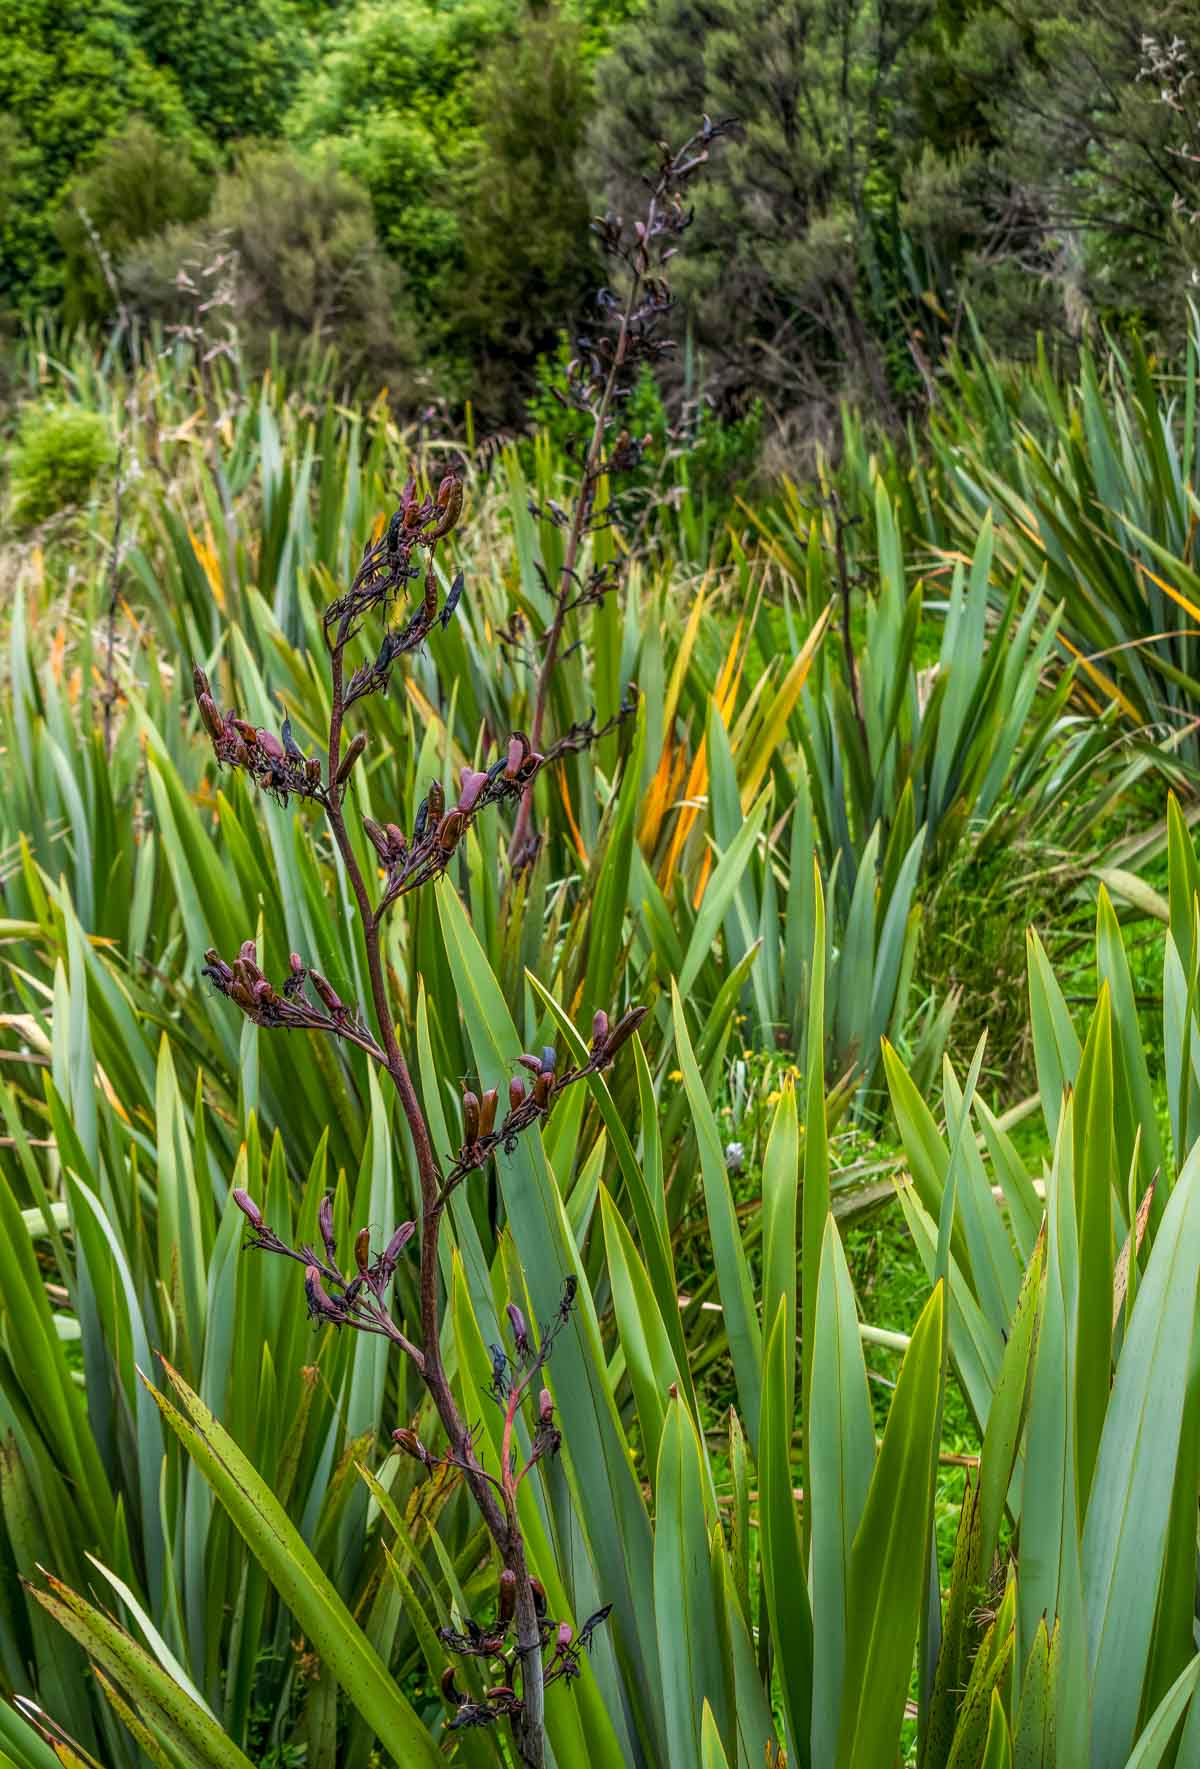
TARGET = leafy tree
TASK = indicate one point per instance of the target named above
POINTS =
(71, 73)
(522, 211)
(796, 272)
(237, 61)
(392, 98)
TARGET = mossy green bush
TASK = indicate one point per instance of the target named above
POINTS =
(59, 454)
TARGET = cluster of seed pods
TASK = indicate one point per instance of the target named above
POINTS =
(277, 764)
(412, 860)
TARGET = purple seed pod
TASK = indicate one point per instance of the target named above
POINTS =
(520, 1329)
(271, 746)
(216, 966)
(378, 838)
(565, 1635)
(546, 1407)
(398, 840)
(399, 1241)
(471, 784)
(320, 1305)
(599, 1028)
(248, 1208)
(248, 953)
(325, 1224)
(329, 996)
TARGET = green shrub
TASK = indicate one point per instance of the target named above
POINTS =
(139, 184)
(302, 262)
(59, 455)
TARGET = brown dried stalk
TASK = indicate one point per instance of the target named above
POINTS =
(278, 765)
(598, 378)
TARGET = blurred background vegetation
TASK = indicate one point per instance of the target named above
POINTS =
(414, 179)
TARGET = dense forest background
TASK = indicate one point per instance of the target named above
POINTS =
(412, 180)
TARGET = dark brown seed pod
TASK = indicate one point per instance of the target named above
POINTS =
(398, 840)
(449, 505)
(450, 831)
(200, 682)
(506, 1606)
(362, 1249)
(530, 1062)
(354, 749)
(488, 1102)
(516, 1093)
(271, 746)
(450, 1690)
(470, 1105)
(624, 1029)
(539, 1595)
(214, 724)
(410, 1443)
(312, 771)
(436, 800)
(245, 731)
